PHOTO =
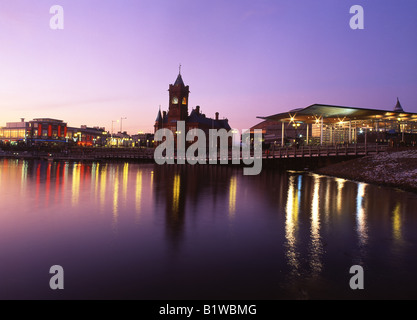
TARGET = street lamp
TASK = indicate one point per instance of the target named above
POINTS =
(112, 122)
(121, 120)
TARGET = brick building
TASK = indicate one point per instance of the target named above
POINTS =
(178, 111)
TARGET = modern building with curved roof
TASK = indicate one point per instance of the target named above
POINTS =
(330, 124)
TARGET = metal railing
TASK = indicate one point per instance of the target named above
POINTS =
(324, 151)
(274, 152)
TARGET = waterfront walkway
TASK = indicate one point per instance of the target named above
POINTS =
(147, 154)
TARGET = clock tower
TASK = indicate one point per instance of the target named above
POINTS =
(178, 100)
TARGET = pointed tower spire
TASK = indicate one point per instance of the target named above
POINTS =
(398, 107)
(159, 116)
(179, 81)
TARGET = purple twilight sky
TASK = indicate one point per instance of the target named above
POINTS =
(116, 58)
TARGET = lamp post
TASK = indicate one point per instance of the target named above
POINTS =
(121, 121)
(296, 125)
(112, 122)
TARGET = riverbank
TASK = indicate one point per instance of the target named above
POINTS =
(396, 169)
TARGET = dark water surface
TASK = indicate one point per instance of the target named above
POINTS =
(132, 231)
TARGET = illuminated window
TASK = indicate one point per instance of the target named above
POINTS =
(184, 100)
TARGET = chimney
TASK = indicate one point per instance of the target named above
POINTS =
(22, 119)
(197, 109)
(217, 116)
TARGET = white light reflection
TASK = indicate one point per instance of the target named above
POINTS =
(291, 226)
(340, 185)
(23, 177)
(95, 178)
(316, 245)
(361, 226)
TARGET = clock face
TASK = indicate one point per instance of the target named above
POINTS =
(175, 100)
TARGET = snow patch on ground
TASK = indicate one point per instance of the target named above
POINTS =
(389, 168)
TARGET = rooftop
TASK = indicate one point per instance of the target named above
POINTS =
(333, 114)
(47, 120)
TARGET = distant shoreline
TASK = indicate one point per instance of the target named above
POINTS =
(395, 169)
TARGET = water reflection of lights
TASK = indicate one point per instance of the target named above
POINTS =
(38, 183)
(125, 180)
(95, 171)
(64, 178)
(176, 194)
(76, 173)
(340, 185)
(291, 225)
(57, 180)
(316, 246)
(138, 191)
(360, 214)
(151, 185)
(23, 177)
(396, 222)
(232, 196)
(103, 182)
(48, 184)
(327, 198)
(116, 197)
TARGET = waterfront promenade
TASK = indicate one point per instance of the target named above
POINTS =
(92, 154)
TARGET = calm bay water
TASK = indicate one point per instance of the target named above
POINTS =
(143, 231)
